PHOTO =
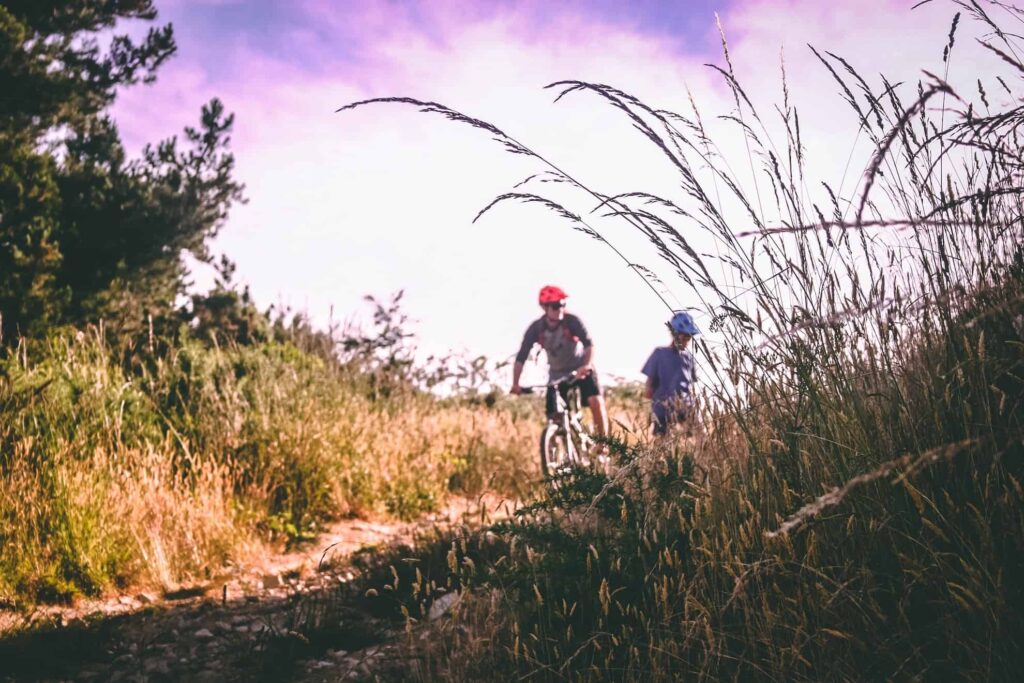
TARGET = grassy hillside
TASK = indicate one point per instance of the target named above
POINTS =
(854, 510)
(728, 563)
(121, 465)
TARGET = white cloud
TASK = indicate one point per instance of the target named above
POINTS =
(381, 198)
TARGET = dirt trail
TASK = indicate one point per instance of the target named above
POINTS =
(220, 630)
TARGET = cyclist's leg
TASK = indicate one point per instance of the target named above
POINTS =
(659, 420)
(677, 419)
(550, 403)
(599, 411)
(563, 389)
(677, 412)
(593, 396)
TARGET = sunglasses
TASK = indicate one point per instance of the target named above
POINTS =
(555, 305)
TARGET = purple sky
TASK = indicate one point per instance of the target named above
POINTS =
(297, 32)
(225, 45)
(381, 199)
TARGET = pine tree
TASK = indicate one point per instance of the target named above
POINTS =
(85, 233)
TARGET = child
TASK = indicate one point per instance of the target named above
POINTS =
(671, 374)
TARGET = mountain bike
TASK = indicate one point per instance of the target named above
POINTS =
(564, 442)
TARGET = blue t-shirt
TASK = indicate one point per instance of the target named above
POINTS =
(674, 373)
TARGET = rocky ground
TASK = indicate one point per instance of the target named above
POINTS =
(243, 626)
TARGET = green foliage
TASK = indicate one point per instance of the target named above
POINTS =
(54, 70)
(227, 315)
(85, 234)
(158, 461)
(29, 256)
(408, 498)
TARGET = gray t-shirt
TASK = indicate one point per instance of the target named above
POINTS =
(565, 344)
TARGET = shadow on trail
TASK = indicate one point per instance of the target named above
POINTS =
(345, 620)
(254, 637)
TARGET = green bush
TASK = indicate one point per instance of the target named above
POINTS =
(129, 464)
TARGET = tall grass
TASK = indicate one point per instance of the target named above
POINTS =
(855, 510)
(158, 467)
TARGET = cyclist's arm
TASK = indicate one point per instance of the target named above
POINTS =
(651, 371)
(579, 331)
(517, 371)
(588, 356)
(531, 337)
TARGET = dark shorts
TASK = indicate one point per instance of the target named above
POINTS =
(668, 417)
(589, 386)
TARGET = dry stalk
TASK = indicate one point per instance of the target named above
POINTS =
(914, 464)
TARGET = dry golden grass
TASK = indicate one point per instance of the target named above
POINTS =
(111, 479)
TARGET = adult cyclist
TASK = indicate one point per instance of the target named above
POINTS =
(569, 350)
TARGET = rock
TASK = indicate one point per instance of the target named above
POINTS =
(339, 655)
(203, 634)
(157, 666)
(442, 605)
(88, 674)
(272, 581)
(184, 592)
(126, 600)
(146, 598)
(223, 626)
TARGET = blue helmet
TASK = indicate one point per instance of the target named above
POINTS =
(682, 322)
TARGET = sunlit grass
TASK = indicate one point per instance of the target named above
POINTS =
(164, 468)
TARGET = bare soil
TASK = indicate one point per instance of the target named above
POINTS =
(241, 626)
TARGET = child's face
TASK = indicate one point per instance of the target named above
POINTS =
(681, 340)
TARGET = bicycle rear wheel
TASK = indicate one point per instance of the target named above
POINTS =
(554, 450)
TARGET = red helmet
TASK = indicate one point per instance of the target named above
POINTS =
(550, 294)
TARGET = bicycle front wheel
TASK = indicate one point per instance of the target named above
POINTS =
(554, 450)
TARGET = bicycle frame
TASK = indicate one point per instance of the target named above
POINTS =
(565, 422)
(568, 416)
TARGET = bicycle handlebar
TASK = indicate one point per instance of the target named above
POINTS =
(571, 377)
